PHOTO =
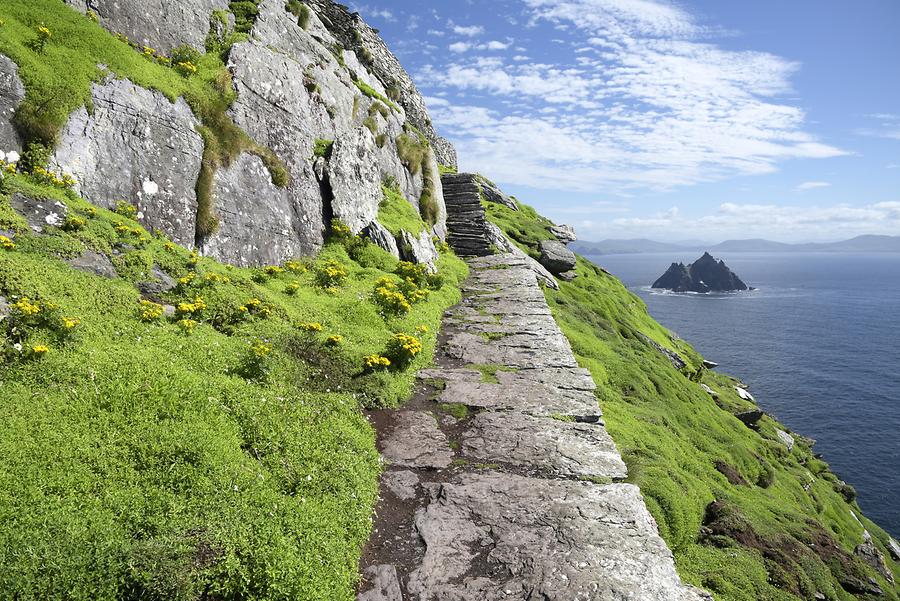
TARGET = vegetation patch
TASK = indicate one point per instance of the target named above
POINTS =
(784, 539)
(375, 94)
(489, 372)
(396, 213)
(204, 443)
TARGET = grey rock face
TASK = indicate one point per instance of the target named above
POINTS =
(160, 284)
(750, 418)
(418, 249)
(160, 24)
(355, 179)
(136, 146)
(556, 257)
(95, 263)
(356, 35)
(380, 236)
(39, 212)
(11, 94)
(564, 233)
(492, 504)
(259, 223)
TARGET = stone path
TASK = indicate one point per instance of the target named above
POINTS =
(466, 223)
(500, 479)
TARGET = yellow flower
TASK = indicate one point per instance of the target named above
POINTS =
(261, 350)
(295, 266)
(39, 350)
(376, 361)
(311, 327)
(254, 302)
(292, 288)
(6, 243)
(25, 307)
(151, 311)
(423, 329)
(334, 340)
(70, 323)
(187, 325)
(243, 309)
(273, 270)
(190, 277)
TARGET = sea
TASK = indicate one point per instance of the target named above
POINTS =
(818, 342)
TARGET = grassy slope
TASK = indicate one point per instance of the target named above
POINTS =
(140, 462)
(768, 541)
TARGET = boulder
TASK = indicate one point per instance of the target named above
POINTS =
(160, 24)
(744, 394)
(160, 284)
(786, 438)
(39, 212)
(498, 240)
(564, 233)
(380, 583)
(136, 146)
(355, 180)
(894, 549)
(380, 236)
(418, 249)
(750, 418)
(260, 223)
(11, 94)
(96, 263)
(710, 391)
(556, 257)
(568, 276)
(703, 275)
(710, 364)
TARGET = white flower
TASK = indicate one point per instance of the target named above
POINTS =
(2, 156)
(12, 157)
(18, 347)
(150, 187)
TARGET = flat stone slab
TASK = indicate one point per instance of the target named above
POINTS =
(547, 351)
(565, 378)
(384, 583)
(535, 399)
(545, 444)
(494, 536)
(416, 441)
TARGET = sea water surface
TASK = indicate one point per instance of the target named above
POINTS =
(819, 344)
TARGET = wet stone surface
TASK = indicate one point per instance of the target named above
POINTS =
(501, 481)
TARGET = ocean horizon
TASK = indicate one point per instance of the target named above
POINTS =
(816, 341)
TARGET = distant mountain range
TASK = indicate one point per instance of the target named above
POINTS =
(640, 245)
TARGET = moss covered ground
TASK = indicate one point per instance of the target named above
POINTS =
(785, 532)
(217, 454)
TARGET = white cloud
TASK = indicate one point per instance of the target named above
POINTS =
(436, 33)
(812, 186)
(497, 45)
(733, 220)
(470, 31)
(376, 13)
(651, 105)
(888, 126)
(459, 47)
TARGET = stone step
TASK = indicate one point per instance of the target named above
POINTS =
(515, 494)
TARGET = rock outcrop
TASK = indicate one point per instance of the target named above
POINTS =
(499, 241)
(556, 257)
(703, 275)
(492, 193)
(354, 34)
(518, 494)
(564, 233)
(11, 94)
(136, 145)
(160, 24)
(39, 212)
(326, 80)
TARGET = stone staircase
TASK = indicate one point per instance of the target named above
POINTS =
(467, 235)
(500, 479)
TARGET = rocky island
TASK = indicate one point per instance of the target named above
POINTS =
(706, 274)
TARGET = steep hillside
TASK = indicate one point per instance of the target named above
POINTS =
(749, 511)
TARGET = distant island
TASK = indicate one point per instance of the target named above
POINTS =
(641, 246)
(706, 274)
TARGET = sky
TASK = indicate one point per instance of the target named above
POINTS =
(696, 120)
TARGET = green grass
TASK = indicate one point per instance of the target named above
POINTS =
(58, 81)
(524, 227)
(778, 542)
(375, 94)
(396, 213)
(143, 463)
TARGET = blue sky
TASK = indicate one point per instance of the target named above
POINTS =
(700, 119)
